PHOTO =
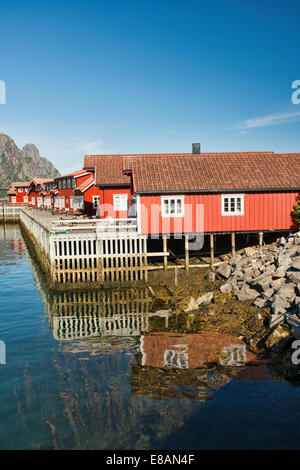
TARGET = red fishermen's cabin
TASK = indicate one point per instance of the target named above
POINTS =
(69, 189)
(18, 194)
(214, 193)
(35, 191)
(112, 188)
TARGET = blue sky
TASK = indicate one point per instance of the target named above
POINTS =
(131, 76)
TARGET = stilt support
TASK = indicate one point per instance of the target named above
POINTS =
(165, 251)
(233, 244)
(212, 251)
(187, 258)
(260, 241)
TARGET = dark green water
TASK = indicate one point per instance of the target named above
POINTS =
(99, 371)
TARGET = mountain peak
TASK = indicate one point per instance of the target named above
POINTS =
(22, 164)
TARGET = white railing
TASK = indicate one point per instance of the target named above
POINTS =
(9, 211)
(99, 226)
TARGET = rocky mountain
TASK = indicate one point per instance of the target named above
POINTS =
(22, 164)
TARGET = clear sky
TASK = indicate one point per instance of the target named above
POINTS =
(135, 76)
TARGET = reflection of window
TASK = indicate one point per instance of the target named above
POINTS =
(96, 201)
(234, 355)
(120, 202)
(172, 206)
(232, 204)
(176, 358)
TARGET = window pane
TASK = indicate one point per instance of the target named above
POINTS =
(166, 206)
(232, 204)
(226, 204)
(238, 204)
(179, 206)
(172, 205)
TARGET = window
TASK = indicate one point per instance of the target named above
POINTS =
(77, 202)
(20, 190)
(68, 183)
(73, 183)
(232, 204)
(59, 184)
(96, 201)
(39, 201)
(172, 206)
(14, 199)
(59, 202)
(25, 198)
(33, 201)
(64, 184)
(120, 202)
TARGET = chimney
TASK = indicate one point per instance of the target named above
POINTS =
(196, 149)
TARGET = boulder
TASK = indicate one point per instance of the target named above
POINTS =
(279, 304)
(247, 294)
(294, 276)
(287, 290)
(283, 260)
(224, 270)
(275, 319)
(211, 276)
(259, 302)
(263, 284)
(250, 250)
(226, 288)
(205, 299)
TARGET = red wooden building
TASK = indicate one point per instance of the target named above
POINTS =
(195, 193)
(35, 190)
(18, 193)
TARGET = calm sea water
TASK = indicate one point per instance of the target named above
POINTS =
(101, 371)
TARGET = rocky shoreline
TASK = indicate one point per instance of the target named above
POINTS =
(254, 295)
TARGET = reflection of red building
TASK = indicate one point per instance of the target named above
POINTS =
(189, 351)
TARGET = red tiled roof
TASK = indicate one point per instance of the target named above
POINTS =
(108, 169)
(214, 172)
(22, 184)
(12, 191)
(74, 173)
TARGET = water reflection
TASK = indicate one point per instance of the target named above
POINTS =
(103, 369)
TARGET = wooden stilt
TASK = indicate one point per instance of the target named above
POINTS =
(233, 244)
(212, 251)
(176, 275)
(165, 251)
(260, 241)
(187, 258)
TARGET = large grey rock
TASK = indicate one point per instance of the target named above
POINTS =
(226, 288)
(279, 304)
(294, 276)
(205, 299)
(224, 270)
(284, 260)
(287, 291)
(250, 250)
(247, 294)
(259, 302)
(275, 319)
(263, 284)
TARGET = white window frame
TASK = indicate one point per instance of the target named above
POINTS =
(230, 211)
(39, 201)
(33, 201)
(13, 199)
(120, 202)
(96, 198)
(20, 190)
(167, 213)
(77, 202)
(59, 201)
(25, 198)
